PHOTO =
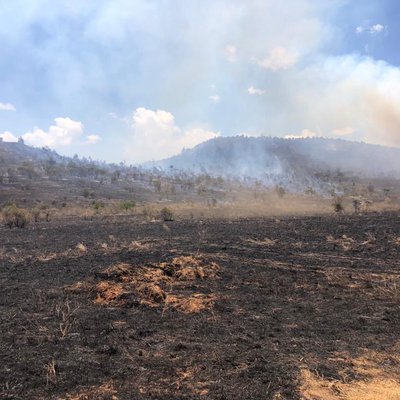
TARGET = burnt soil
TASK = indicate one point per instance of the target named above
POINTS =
(281, 295)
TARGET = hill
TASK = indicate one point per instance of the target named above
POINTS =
(291, 162)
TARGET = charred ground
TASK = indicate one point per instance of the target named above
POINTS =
(119, 308)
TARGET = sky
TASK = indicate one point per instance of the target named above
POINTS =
(140, 80)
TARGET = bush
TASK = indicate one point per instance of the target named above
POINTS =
(357, 206)
(127, 205)
(149, 213)
(97, 205)
(167, 214)
(14, 216)
(35, 212)
(338, 205)
(280, 191)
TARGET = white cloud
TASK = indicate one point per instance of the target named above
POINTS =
(371, 29)
(378, 28)
(215, 98)
(8, 137)
(155, 136)
(63, 133)
(278, 58)
(112, 115)
(346, 131)
(255, 91)
(7, 107)
(92, 139)
(231, 53)
(360, 29)
(305, 133)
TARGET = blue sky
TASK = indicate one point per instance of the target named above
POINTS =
(137, 80)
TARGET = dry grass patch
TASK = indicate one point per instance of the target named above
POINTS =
(266, 242)
(187, 379)
(152, 285)
(384, 286)
(47, 257)
(379, 380)
(344, 279)
(389, 287)
(314, 387)
(115, 245)
(103, 392)
(344, 242)
(136, 245)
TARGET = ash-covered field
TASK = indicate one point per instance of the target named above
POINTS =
(117, 308)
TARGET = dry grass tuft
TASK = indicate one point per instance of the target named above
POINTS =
(151, 293)
(397, 241)
(117, 271)
(192, 304)
(266, 242)
(190, 268)
(47, 257)
(50, 371)
(79, 287)
(188, 380)
(345, 242)
(109, 293)
(136, 245)
(389, 288)
(81, 247)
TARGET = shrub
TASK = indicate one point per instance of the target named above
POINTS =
(338, 205)
(97, 205)
(46, 211)
(127, 205)
(35, 212)
(14, 216)
(148, 213)
(280, 191)
(167, 214)
(357, 205)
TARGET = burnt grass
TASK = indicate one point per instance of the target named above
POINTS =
(290, 293)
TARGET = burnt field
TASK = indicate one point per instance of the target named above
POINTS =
(117, 308)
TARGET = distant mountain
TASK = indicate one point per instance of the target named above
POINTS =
(291, 162)
(296, 164)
